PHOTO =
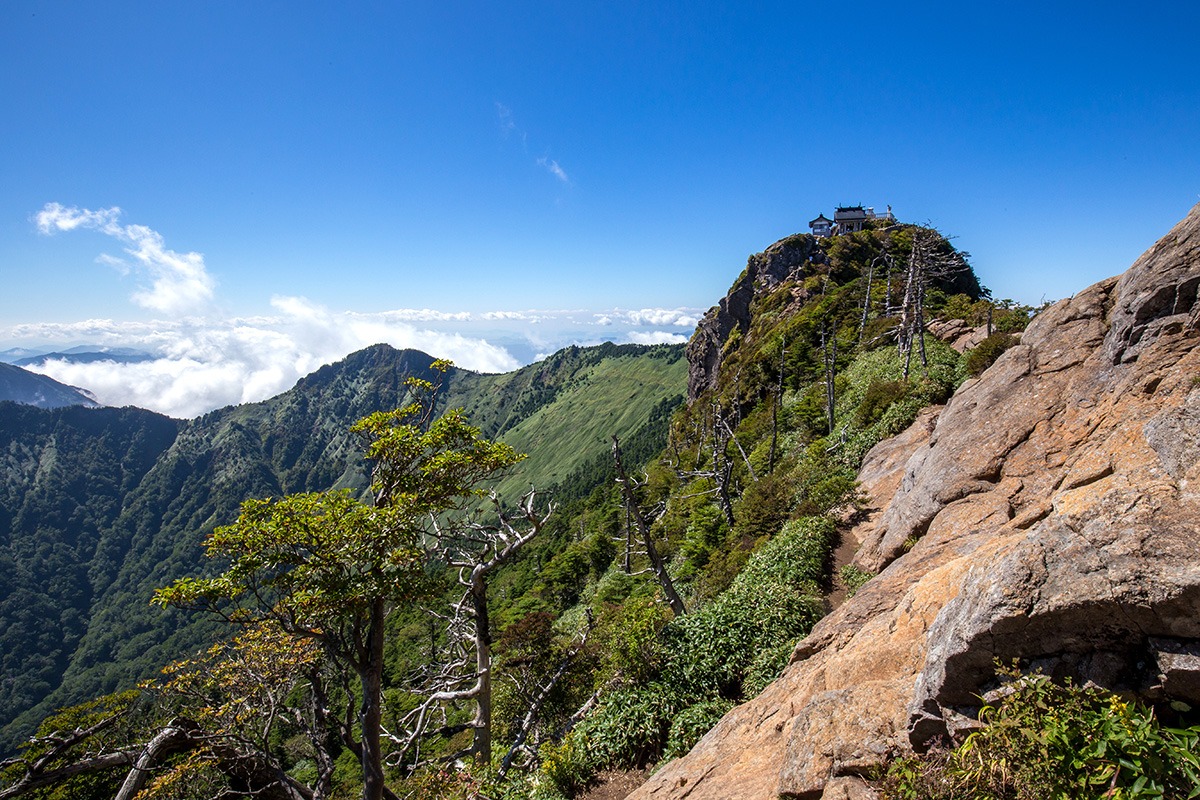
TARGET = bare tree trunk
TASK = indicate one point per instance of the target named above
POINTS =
(777, 404)
(483, 670)
(627, 562)
(829, 354)
(656, 562)
(371, 711)
(862, 323)
(176, 736)
(722, 468)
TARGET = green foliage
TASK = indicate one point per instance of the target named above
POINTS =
(986, 353)
(853, 578)
(692, 723)
(630, 728)
(710, 656)
(631, 642)
(767, 665)
(878, 398)
(1044, 739)
(566, 767)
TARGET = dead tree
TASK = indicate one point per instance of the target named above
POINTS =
(465, 672)
(931, 259)
(775, 406)
(535, 692)
(829, 356)
(635, 511)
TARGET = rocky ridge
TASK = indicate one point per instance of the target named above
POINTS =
(785, 259)
(1046, 514)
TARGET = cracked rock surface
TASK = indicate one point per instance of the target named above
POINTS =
(1049, 513)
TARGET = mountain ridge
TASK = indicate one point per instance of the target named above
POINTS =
(1046, 517)
(297, 441)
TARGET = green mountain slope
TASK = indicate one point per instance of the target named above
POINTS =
(22, 386)
(201, 470)
(64, 473)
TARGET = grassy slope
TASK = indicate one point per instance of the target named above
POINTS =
(612, 397)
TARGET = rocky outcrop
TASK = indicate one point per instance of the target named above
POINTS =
(764, 271)
(1050, 516)
(957, 333)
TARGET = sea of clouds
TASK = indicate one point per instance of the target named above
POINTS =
(201, 360)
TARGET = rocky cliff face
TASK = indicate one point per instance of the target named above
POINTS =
(764, 271)
(1049, 514)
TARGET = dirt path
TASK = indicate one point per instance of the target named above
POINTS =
(842, 556)
(615, 785)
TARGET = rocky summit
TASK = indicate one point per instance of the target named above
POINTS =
(1047, 514)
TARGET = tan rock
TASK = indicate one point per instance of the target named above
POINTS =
(1049, 516)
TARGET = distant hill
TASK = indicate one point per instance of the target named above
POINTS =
(29, 388)
(120, 355)
(100, 506)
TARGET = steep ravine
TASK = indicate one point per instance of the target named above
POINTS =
(1048, 513)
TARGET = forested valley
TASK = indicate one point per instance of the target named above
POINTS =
(597, 605)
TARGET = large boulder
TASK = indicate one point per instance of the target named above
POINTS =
(1051, 517)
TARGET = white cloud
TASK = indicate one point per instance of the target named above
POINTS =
(201, 361)
(656, 337)
(681, 317)
(202, 365)
(554, 169)
(178, 282)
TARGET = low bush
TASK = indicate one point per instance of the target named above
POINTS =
(1047, 740)
(692, 723)
(990, 349)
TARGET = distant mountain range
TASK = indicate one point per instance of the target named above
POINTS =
(86, 357)
(80, 354)
(29, 388)
(98, 506)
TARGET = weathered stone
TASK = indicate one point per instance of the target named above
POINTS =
(1049, 517)
(957, 333)
(848, 788)
(1178, 668)
(764, 271)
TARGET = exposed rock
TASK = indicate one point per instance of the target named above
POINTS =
(957, 333)
(1050, 516)
(764, 271)
(1178, 669)
(848, 789)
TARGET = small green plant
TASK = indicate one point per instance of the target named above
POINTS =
(1050, 740)
(853, 578)
(987, 352)
(692, 723)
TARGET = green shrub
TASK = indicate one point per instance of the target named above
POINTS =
(766, 667)
(566, 768)
(1046, 740)
(692, 723)
(877, 398)
(853, 578)
(630, 727)
(987, 352)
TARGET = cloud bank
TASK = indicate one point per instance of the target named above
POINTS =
(203, 364)
(201, 360)
(200, 363)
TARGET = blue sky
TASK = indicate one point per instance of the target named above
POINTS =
(409, 172)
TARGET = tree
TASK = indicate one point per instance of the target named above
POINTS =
(931, 259)
(328, 567)
(464, 671)
(657, 564)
